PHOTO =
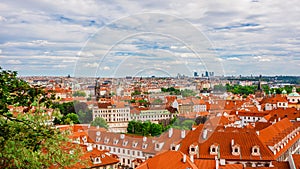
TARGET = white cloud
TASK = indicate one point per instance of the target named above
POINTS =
(13, 62)
(233, 59)
(105, 68)
(93, 65)
(262, 59)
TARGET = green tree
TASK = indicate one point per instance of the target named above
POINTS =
(70, 118)
(26, 141)
(146, 126)
(98, 121)
(156, 129)
(79, 94)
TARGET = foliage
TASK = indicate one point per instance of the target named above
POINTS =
(143, 103)
(187, 93)
(219, 88)
(200, 120)
(157, 101)
(70, 118)
(185, 124)
(144, 128)
(147, 128)
(84, 114)
(25, 140)
(79, 94)
(135, 93)
(171, 90)
(98, 121)
(242, 90)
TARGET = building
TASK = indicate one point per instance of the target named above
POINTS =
(116, 114)
(128, 148)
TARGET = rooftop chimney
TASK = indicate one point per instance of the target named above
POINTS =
(170, 132)
(232, 142)
(182, 133)
(144, 139)
(192, 158)
(204, 134)
(217, 162)
(184, 158)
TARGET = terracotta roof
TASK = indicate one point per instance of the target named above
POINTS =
(223, 137)
(168, 160)
(296, 158)
(290, 113)
(275, 133)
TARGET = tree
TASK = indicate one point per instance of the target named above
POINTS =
(85, 117)
(156, 129)
(200, 120)
(70, 118)
(79, 94)
(98, 121)
(26, 141)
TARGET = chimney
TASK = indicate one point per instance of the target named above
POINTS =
(257, 133)
(170, 132)
(89, 148)
(182, 134)
(279, 119)
(192, 158)
(204, 134)
(217, 162)
(184, 158)
(97, 127)
(232, 142)
(144, 139)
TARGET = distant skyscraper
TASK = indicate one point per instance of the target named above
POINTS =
(196, 74)
(206, 74)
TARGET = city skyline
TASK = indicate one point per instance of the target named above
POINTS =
(51, 37)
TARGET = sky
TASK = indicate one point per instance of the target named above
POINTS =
(145, 38)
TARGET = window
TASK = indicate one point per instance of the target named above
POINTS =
(144, 146)
(97, 139)
(214, 149)
(125, 143)
(255, 151)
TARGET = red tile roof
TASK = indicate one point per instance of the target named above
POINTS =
(168, 160)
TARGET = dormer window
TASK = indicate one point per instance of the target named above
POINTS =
(106, 140)
(134, 144)
(144, 146)
(158, 146)
(214, 149)
(236, 150)
(98, 133)
(84, 139)
(98, 139)
(255, 151)
(97, 160)
(193, 149)
(125, 143)
(116, 141)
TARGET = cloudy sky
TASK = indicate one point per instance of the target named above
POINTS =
(119, 38)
